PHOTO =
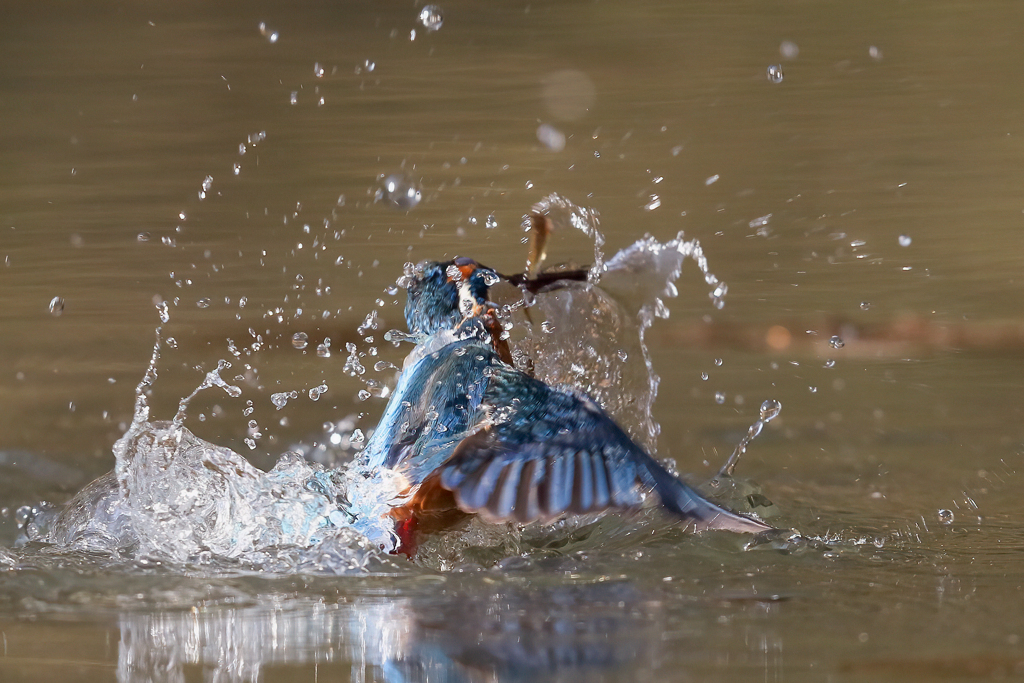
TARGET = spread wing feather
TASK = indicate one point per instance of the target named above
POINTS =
(540, 452)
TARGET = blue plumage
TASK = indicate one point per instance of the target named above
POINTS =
(507, 446)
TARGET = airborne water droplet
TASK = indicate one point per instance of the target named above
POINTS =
(300, 340)
(56, 306)
(431, 17)
(905, 240)
(836, 342)
(267, 33)
(718, 295)
(280, 400)
(163, 312)
(370, 322)
(352, 365)
(946, 516)
(775, 73)
(770, 409)
(400, 192)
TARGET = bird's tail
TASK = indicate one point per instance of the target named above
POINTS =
(684, 502)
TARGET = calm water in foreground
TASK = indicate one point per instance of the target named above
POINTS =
(226, 158)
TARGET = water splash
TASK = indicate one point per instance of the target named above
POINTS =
(179, 497)
(176, 497)
(746, 496)
(173, 495)
(562, 210)
(212, 379)
(645, 274)
(141, 412)
(770, 409)
(591, 335)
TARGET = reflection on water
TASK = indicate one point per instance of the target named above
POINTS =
(547, 618)
(590, 630)
(240, 644)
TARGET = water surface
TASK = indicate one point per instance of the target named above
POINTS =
(892, 126)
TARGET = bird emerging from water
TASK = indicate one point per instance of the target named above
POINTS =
(468, 433)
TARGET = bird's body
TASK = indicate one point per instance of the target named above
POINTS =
(468, 431)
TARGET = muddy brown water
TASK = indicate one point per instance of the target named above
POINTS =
(889, 160)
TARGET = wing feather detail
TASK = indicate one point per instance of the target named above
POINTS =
(555, 452)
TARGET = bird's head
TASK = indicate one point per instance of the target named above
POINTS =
(441, 295)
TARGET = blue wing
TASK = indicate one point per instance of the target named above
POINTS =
(431, 408)
(541, 452)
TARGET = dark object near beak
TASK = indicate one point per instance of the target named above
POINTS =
(543, 281)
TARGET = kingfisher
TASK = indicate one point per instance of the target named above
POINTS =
(470, 434)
